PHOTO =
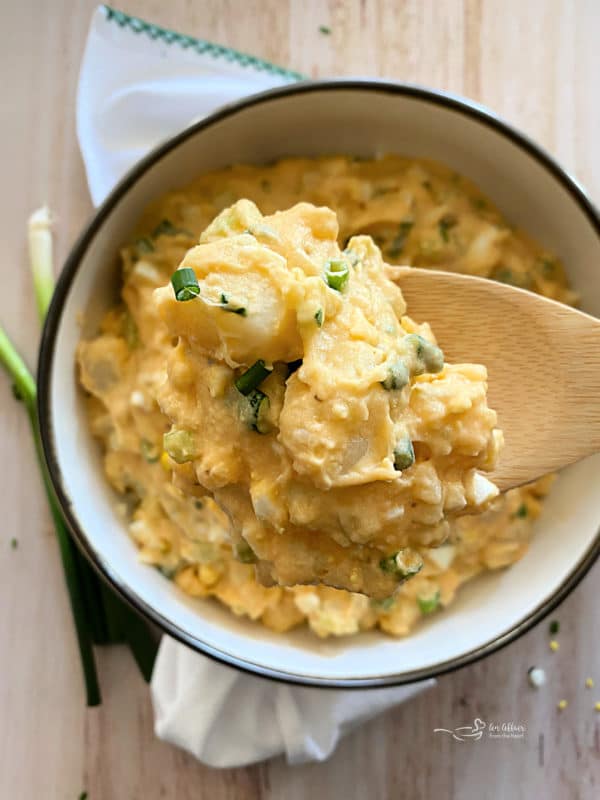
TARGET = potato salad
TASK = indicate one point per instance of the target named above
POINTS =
(298, 391)
(271, 415)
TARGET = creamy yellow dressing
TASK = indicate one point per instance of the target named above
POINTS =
(417, 213)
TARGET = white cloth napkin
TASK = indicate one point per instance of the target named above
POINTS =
(138, 85)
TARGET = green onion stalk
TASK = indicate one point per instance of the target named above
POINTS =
(41, 259)
(25, 389)
(100, 617)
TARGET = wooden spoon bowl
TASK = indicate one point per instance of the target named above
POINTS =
(543, 362)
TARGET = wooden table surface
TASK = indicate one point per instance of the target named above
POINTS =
(536, 62)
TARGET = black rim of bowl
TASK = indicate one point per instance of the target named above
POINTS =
(46, 355)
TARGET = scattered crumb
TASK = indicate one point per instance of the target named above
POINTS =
(537, 676)
(589, 683)
(562, 704)
(597, 706)
(554, 627)
(325, 30)
(554, 645)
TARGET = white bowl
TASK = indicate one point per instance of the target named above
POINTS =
(364, 118)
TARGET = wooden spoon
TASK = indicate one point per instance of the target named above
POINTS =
(543, 362)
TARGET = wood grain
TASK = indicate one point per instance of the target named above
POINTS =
(534, 62)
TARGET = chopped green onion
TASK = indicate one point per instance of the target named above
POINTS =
(245, 554)
(254, 410)
(506, 275)
(478, 203)
(325, 30)
(427, 605)
(144, 246)
(379, 191)
(404, 454)
(264, 232)
(166, 228)
(198, 504)
(168, 572)
(384, 605)
(447, 222)
(336, 273)
(554, 627)
(14, 543)
(352, 257)
(429, 357)
(232, 308)
(180, 444)
(403, 564)
(253, 377)
(149, 451)
(240, 310)
(522, 511)
(319, 317)
(185, 284)
(130, 330)
(548, 267)
(397, 377)
(397, 245)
